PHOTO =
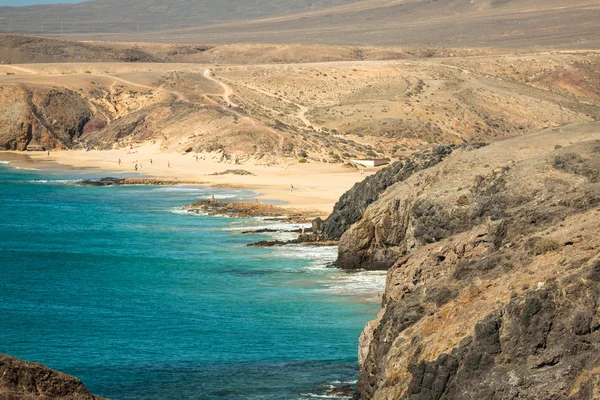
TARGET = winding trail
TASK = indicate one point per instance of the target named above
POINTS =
(301, 114)
(227, 91)
(26, 70)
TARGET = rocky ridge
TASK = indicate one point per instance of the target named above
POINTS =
(27, 381)
(351, 206)
(493, 280)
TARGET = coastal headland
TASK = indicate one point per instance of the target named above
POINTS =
(486, 219)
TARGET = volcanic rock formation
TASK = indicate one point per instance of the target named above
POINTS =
(493, 281)
(24, 381)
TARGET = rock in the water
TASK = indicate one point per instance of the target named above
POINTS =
(27, 381)
(108, 181)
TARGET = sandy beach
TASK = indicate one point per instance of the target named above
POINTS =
(316, 186)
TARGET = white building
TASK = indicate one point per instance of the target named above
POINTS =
(372, 162)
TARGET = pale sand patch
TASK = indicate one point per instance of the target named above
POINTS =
(317, 186)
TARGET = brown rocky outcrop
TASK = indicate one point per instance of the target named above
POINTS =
(517, 180)
(352, 204)
(495, 274)
(24, 381)
(40, 118)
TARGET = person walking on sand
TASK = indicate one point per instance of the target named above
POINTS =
(119, 161)
(169, 164)
(48, 153)
(150, 161)
(291, 188)
(136, 167)
(362, 172)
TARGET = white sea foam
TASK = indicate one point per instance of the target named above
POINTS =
(186, 211)
(356, 283)
(5, 162)
(330, 280)
(224, 196)
(203, 193)
(319, 258)
(180, 189)
(324, 396)
(27, 169)
(257, 223)
(56, 181)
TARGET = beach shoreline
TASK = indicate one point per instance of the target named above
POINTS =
(310, 188)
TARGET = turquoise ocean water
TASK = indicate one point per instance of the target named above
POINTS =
(125, 290)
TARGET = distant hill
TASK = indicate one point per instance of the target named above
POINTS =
(117, 16)
(414, 23)
(435, 23)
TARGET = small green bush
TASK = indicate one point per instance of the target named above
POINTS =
(303, 161)
(545, 245)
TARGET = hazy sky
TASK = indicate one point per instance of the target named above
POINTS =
(17, 3)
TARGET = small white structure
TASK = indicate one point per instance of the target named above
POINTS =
(371, 162)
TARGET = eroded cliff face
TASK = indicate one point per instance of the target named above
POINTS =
(36, 118)
(352, 205)
(470, 188)
(24, 380)
(494, 279)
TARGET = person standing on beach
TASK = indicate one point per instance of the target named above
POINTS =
(169, 164)
(136, 167)
(150, 161)
(291, 188)
(119, 161)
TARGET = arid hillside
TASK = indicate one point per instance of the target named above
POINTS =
(493, 277)
(328, 111)
(25, 49)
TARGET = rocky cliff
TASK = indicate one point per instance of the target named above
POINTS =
(351, 206)
(41, 118)
(493, 281)
(23, 380)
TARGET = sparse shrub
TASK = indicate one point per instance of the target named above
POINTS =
(371, 153)
(302, 161)
(288, 147)
(545, 245)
